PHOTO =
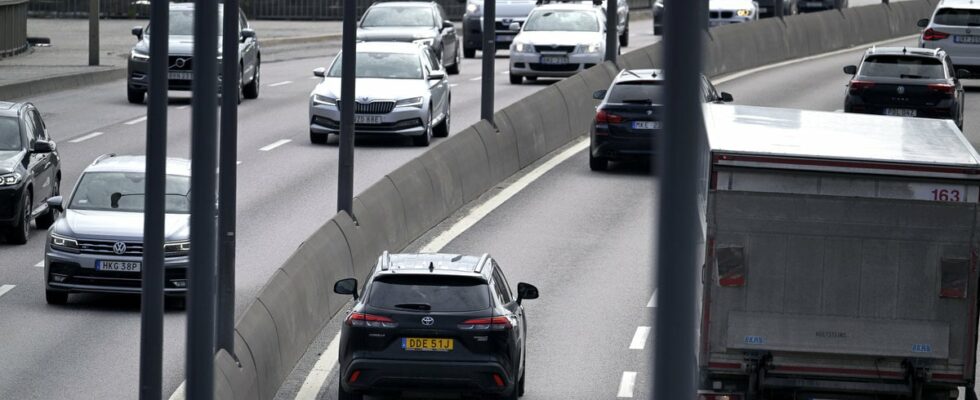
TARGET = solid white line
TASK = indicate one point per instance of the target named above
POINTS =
(653, 299)
(321, 370)
(40, 264)
(280, 83)
(136, 121)
(179, 393)
(504, 72)
(275, 144)
(477, 213)
(476, 79)
(5, 288)
(640, 338)
(315, 77)
(626, 384)
(86, 137)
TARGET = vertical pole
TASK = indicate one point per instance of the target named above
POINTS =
(488, 57)
(227, 178)
(93, 32)
(778, 4)
(348, 74)
(151, 302)
(612, 32)
(675, 365)
(204, 149)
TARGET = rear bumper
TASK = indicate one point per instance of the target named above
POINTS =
(529, 64)
(615, 148)
(390, 376)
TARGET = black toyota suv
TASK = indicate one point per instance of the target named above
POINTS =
(906, 82)
(30, 171)
(434, 324)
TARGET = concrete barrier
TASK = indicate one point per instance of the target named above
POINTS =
(258, 331)
(423, 208)
(501, 148)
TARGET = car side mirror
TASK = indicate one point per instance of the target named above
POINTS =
(43, 146)
(599, 94)
(138, 32)
(436, 75)
(346, 286)
(851, 70)
(447, 24)
(526, 291)
(248, 33)
(56, 203)
(922, 23)
(320, 72)
(963, 74)
(515, 26)
(727, 97)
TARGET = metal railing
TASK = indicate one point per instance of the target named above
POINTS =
(13, 27)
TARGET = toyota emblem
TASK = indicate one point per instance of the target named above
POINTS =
(428, 321)
(900, 90)
(119, 248)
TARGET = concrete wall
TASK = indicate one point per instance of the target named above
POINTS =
(275, 331)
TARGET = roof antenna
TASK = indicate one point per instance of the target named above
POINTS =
(431, 266)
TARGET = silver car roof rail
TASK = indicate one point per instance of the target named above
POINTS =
(385, 260)
(479, 264)
(103, 157)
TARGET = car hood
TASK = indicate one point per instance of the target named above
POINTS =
(400, 34)
(731, 4)
(114, 225)
(559, 38)
(9, 159)
(177, 45)
(385, 89)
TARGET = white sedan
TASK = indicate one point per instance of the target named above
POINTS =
(558, 40)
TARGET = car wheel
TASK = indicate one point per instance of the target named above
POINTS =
(241, 83)
(516, 79)
(44, 221)
(135, 96)
(520, 382)
(343, 394)
(624, 39)
(319, 138)
(454, 69)
(598, 163)
(443, 129)
(19, 233)
(658, 30)
(55, 297)
(424, 139)
(252, 89)
(469, 53)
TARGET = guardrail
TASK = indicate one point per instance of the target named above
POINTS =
(290, 311)
(13, 27)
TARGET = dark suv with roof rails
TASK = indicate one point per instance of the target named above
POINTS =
(434, 324)
(906, 82)
(30, 171)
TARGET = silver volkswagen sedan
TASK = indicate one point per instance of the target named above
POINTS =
(401, 90)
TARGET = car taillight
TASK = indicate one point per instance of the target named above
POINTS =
(369, 321)
(954, 277)
(605, 117)
(730, 261)
(932, 34)
(714, 396)
(943, 88)
(486, 324)
(856, 87)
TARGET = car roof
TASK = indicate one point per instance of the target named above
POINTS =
(8, 109)
(959, 4)
(910, 51)
(566, 7)
(114, 163)
(441, 263)
(646, 74)
(389, 47)
(403, 4)
(190, 6)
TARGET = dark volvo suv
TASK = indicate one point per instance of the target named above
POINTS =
(434, 324)
(30, 171)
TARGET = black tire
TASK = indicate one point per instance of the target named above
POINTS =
(18, 234)
(343, 394)
(55, 297)
(658, 30)
(971, 394)
(424, 139)
(252, 88)
(520, 382)
(469, 53)
(135, 96)
(516, 79)
(44, 221)
(175, 303)
(624, 39)
(598, 163)
(443, 129)
(454, 69)
(319, 138)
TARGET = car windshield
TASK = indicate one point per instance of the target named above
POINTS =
(398, 16)
(899, 66)
(182, 23)
(382, 65)
(637, 92)
(429, 293)
(123, 191)
(10, 138)
(957, 16)
(566, 21)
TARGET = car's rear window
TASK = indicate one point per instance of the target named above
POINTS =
(437, 293)
(639, 92)
(957, 17)
(902, 66)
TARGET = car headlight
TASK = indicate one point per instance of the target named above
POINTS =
(743, 12)
(472, 7)
(10, 179)
(173, 249)
(412, 102)
(423, 42)
(64, 243)
(324, 100)
(522, 47)
(137, 56)
(591, 48)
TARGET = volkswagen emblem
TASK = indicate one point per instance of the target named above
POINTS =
(180, 62)
(119, 248)
(428, 321)
(364, 100)
(649, 112)
(900, 90)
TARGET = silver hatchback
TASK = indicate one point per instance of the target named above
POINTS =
(96, 246)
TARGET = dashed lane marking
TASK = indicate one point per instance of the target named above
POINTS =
(640, 338)
(653, 299)
(276, 144)
(283, 83)
(136, 121)
(5, 288)
(86, 137)
(40, 264)
(476, 79)
(626, 384)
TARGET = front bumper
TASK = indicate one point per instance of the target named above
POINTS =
(11, 204)
(529, 64)
(727, 21)
(402, 121)
(389, 376)
(137, 77)
(76, 273)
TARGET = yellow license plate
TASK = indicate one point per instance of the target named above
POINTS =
(427, 344)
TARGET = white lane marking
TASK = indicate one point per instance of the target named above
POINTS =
(179, 393)
(640, 338)
(626, 384)
(478, 212)
(86, 137)
(238, 163)
(476, 79)
(136, 121)
(315, 77)
(839, 110)
(280, 83)
(275, 144)
(653, 299)
(504, 72)
(453, 84)
(6, 288)
(40, 264)
(321, 370)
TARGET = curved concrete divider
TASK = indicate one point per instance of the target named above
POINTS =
(275, 330)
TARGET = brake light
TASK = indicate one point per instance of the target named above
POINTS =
(713, 396)
(932, 34)
(486, 324)
(604, 117)
(943, 88)
(730, 261)
(856, 87)
(954, 277)
(369, 321)
(354, 376)
(498, 380)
